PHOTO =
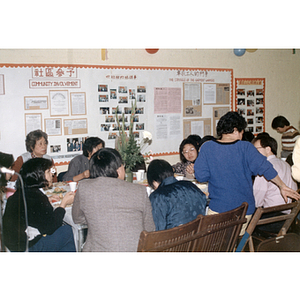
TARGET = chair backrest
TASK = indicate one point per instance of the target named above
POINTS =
(219, 232)
(256, 220)
(172, 240)
(206, 233)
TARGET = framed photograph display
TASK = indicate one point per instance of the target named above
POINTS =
(32, 122)
(53, 126)
(78, 103)
(35, 102)
(75, 126)
(59, 103)
(250, 102)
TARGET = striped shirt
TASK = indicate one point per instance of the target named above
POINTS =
(289, 138)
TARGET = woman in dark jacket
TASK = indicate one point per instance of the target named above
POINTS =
(45, 230)
(173, 202)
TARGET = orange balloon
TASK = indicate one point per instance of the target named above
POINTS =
(251, 50)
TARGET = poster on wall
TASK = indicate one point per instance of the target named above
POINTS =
(78, 103)
(250, 102)
(53, 126)
(75, 126)
(59, 103)
(192, 93)
(35, 102)
(33, 122)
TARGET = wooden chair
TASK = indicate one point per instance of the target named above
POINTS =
(252, 241)
(206, 233)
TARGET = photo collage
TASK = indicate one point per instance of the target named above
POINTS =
(250, 104)
(120, 99)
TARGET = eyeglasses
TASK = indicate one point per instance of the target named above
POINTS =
(187, 151)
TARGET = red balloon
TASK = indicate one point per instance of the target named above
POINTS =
(152, 51)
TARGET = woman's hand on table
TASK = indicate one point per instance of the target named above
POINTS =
(67, 199)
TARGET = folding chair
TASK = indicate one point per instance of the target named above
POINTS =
(256, 220)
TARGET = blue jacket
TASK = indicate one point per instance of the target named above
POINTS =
(176, 202)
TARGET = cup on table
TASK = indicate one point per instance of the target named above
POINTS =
(140, 175)
(73, 186)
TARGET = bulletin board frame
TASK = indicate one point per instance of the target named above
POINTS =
(139, 82)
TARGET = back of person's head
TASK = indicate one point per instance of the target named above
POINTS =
(195, 137)
(158, 170)
(280, 121)
(266, 141)
(6, 160)
(91, 143)
(206, 138)
(32, 137)
(33, 172)
(105, 163)
(229, 121)
(248, 136)
(187, 141)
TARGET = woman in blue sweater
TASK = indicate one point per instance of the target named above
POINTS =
(228, 165)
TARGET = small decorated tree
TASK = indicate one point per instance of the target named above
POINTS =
(128, 147)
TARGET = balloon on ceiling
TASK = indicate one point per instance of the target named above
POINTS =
(239, 52)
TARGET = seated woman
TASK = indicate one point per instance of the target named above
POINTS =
(115, 210)
(173, 202)
(79, 166)
(188, 152)
(36, 145)
(45, 231)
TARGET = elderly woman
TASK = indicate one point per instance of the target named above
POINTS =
(36, 145)
(115, 210)
(79, 166)
(173, 202)
(188, 153)
(45, 231)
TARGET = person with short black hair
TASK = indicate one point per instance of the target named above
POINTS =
(289, 134)
(173, 202)
(78, 168)
(115, 210)
(188, 152)
(228, 165)
(36, 145)
(46, 231)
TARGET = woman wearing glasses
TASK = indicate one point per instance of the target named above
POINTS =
(188, 151)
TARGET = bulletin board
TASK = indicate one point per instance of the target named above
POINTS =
(250, 102)
(73, 102)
